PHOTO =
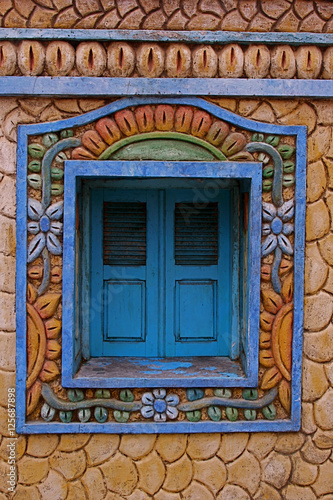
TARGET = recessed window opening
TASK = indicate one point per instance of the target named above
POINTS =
(164, 279)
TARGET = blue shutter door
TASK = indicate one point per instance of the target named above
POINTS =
(124, 273)
(198, 269)
(160, 273)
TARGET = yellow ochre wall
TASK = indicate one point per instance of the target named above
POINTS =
(292, 466)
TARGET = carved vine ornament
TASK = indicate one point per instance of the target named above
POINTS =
(46, 399)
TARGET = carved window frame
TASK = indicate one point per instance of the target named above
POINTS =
(199, 410)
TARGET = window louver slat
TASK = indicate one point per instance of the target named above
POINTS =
(196, 234)
(124, 234)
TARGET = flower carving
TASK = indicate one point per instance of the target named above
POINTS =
(159, 405)
(277, 227)
(46, 227)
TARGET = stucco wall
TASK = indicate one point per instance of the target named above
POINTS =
(196, 467)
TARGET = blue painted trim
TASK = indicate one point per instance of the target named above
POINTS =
(21, 282)
(21, 277)
(155, 169)
(299, 252)
(75, 86)
(198, 37)
(161, 427)
(125, 102)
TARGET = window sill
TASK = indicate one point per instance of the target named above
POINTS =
(120, 372)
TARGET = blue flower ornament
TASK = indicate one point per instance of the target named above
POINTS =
(277, 227)
(46, 227)
(159, 405)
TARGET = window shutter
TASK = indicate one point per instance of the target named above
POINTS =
(124, 234)
(198, 269)
(196, 234)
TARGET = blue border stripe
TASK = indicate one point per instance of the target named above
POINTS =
(84, 86)
(161, 427)
(299, 249)
(197, 37)
(125, 102)
(21, 275)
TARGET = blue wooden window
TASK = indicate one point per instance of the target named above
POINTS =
(166, 339)
(161, 269)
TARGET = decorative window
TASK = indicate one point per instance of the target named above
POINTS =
(158, 312)
(161, 272)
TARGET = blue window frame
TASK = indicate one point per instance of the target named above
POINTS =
(161, 260)
(97, 347)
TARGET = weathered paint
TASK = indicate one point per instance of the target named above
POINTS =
(105, 87)
(198, 37)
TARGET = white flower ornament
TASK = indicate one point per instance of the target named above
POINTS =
(277, 227)
(159, 406)
(46, 227)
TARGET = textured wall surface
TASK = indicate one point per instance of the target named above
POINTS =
(232, 15)
(239, 466)
(198, 467)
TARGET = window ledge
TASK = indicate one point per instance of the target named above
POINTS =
(154, 372)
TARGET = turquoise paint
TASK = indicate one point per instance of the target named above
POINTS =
(126, 301)
(198, 297)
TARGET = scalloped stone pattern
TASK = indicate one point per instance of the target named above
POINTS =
(209, 466)
(164, 60)
(228, 15)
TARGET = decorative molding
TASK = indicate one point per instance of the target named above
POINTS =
(119, 59)
(48, 145)
(170, 56)
(195, 37)
(106, 87)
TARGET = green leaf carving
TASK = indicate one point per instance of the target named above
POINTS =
(34, 166)
(286, 151)
(36, 150)
(214, 413)
(231, 413)
(102, 394)
(126, 395)
(64, 134)
(75, 395)
(257, 137)
(250, 414)
(57, 173)
(267, 185)
(101, 414)
(273, 140)
(194, 394)
(268, 171)
(223, 393)
(84, 415)
(57, 189)
(61, 157)
(193, 416)
(121, 416)
(288, 167)
(250, 394)
(269, 412)
(65, 416)
(50, 139)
